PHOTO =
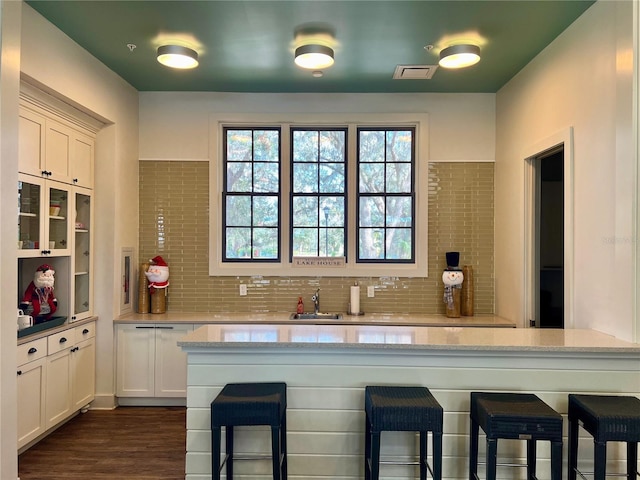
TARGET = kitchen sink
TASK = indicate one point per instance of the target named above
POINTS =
(316, 316)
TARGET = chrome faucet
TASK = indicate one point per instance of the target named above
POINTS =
(316, 301)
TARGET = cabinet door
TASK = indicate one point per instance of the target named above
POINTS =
(58, 387)
(57, 148)
(171, 361)
(31, 400)
(31, 142)
(84, 373)
(59, 214)
(82, 161)
(135, 360)
(31, 218)
(82, 259)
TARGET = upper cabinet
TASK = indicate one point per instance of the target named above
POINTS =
(55, 145)
(45, 217)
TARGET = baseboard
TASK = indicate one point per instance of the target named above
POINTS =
(151, 402)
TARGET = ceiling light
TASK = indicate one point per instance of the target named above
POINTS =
(314, 57)
(459, 56)
(176, 56)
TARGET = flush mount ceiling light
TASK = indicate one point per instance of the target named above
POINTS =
(314, 56)
(459, 56)
(176, 56)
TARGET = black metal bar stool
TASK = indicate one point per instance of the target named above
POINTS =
(240, 404)
(519, 416)
(607, 418)
(412, 409)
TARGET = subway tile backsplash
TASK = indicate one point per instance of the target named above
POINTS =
(174, 223)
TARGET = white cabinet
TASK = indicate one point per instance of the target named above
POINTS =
(45, 215)
(82, 289)
(82, 155)
(149, 362)
(70, 383)
(31, 373)
(56, 378)
(52, 147)
(83, 367)
(58, 384)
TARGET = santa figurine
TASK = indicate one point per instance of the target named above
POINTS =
(157, 274)
(39, 299)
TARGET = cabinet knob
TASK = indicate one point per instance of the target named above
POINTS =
(85, 331)
(75, 180)
(19, 372)
(32, 350)
(63, 340)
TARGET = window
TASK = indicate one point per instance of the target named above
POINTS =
(316, 188)
(318, 179)
(385, 195)
(251, 219)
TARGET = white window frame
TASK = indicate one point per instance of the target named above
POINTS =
(286, 120)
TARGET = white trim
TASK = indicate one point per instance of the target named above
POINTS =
(565, 138)
(435, 160)
(173, 159)
(284, 268)
(635, 205)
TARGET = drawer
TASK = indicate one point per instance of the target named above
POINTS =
(83, 332)
(28, 352)
(58, 342)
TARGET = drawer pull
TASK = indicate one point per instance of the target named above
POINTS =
(85, 331)
(32, 350)
(63, 340)
(145, 327)
(165, 328)
(19, 372)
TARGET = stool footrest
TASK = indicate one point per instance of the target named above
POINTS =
(621, 475)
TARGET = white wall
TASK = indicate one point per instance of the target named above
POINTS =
(52, 61)
(9, 89)
(582, 80)
(175, 126)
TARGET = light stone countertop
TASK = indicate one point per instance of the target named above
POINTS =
(406, 338)
(276, 318)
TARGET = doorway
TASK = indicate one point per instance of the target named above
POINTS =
(548, 232)
(549, 238)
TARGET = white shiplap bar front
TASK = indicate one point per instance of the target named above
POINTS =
(327, 367)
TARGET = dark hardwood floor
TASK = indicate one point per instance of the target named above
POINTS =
(128, 443)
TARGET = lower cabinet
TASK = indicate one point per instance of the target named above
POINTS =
(57, 381)
(31, 390)
(149, 363)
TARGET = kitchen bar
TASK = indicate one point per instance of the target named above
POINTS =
(326, 368)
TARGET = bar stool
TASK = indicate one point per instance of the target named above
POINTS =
(518, 416)
(391, 408)
(607, 418)
(240, 404)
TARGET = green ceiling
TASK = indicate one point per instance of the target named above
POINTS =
(247, 46)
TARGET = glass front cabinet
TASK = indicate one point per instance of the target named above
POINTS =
(44, 217)
(82, 258)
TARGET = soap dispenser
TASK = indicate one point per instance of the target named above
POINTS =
(300, 308)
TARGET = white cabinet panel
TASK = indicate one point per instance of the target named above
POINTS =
(58, 387)
(171, 361)
(31, 142)
(149, 362)
(58, 151)
(31, 400)
(84, 378)
(135, 360)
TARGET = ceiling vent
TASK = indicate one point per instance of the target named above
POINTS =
(414, 72)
